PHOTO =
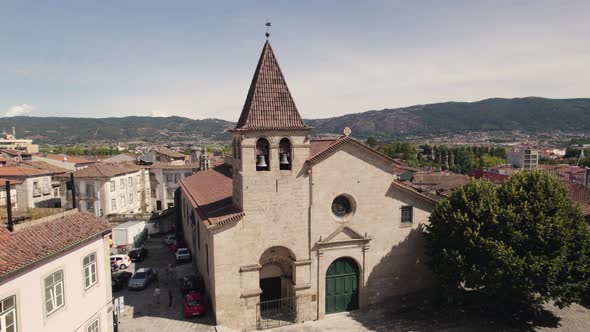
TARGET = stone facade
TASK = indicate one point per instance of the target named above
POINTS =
(289, 233)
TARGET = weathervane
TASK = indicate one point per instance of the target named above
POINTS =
(267, 26)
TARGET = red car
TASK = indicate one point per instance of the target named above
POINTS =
(193, 305)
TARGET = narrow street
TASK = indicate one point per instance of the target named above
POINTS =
(142, 313)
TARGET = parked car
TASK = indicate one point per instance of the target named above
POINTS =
(114, 267)
(182, 255)
(191, 284)
(169, 239)
(193, 305)
(142, 278)
(119, 280)
(122, 261)
(137, 254)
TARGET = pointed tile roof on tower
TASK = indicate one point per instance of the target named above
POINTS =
(269, 104)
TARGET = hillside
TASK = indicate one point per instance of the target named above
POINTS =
(54, 130)
(496, 114)
(528, 114)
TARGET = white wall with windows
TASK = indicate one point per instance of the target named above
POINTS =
(69, 293)
(117, 195)
(167, 183)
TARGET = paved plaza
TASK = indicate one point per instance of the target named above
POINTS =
(143, 314)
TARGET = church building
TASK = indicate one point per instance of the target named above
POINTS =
(297, 228)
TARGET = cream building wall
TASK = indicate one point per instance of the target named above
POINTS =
(95, 195)
(81, 306)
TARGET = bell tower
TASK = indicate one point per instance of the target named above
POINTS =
(270, 141)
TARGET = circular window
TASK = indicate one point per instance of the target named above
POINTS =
(341, 206)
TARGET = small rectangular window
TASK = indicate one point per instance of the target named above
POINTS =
(129, 182)
(122, 183)
(112, 185)
(407, 215)
(90, 270)
(122, 201)
(113, 204)
(8, 314)
(94, 326)
(131, 199)
(54, 292)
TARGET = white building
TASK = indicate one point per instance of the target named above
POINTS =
(164, 181)
(112, 188)
(55, 275)
(13, 196)
(37, 189)
(9, 141)
(524, 157)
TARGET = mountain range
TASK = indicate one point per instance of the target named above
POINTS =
(532, 114)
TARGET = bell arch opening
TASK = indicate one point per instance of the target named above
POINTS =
(285, 154)
(262, 154)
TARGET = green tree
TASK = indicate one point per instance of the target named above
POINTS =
(521, 243)
(371, 141)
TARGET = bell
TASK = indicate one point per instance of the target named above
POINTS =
(284, 159)
(261, 161)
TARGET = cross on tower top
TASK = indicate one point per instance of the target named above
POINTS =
(267, 26)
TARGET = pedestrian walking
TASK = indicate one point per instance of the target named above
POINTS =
(157, 295)
(169, 297)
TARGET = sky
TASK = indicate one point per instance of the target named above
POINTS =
(196, 58)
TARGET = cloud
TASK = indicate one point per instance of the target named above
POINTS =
(159, 114)
(20, 110)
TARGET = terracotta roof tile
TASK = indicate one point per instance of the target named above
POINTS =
(21, 171)
(12, 182)
(38, 164)
(210, 192)
(64, 158)
(102, 170)
(170, 153)
(269, 104)
(33, 243)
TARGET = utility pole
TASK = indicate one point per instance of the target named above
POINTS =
(9, 208)
(73, 191)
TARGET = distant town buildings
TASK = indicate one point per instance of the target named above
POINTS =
(523, 157)
(161, 154)
(10, 142)
(55, 275)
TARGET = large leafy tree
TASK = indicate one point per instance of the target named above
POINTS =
(522, 243)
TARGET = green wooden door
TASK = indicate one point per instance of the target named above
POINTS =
(342, 286)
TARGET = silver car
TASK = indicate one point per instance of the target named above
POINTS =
(142, 278)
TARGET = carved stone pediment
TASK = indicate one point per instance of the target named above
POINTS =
(344, 236)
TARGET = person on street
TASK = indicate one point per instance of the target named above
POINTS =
(157, 295)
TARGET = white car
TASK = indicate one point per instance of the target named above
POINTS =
(182, 254)
(122, 261)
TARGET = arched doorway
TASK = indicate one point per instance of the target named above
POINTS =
(277, 305)
(342, 283)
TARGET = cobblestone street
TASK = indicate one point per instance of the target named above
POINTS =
(142, 313)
